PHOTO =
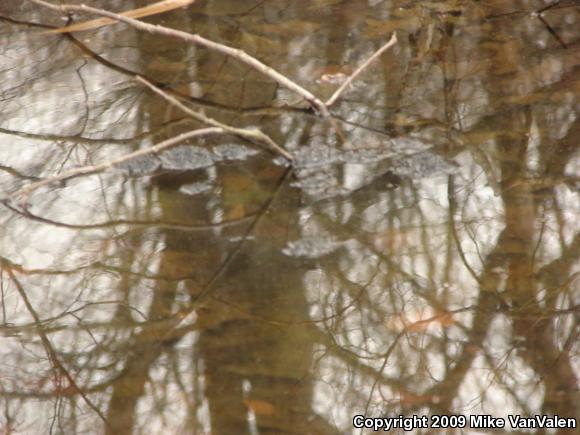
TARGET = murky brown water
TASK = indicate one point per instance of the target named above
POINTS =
(428, 264)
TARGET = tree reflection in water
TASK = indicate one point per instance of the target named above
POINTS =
(240, 296)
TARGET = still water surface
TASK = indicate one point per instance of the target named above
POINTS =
(427, 263)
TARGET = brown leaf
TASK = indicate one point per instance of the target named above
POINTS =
(420, 320)
(260, 407)
(408, 398)
(66, 391)
(237, 211)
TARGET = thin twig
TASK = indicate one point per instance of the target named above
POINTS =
(235, 53)
(58, 366)
(546, 8)
(187, 313)
(152, 9)
(360, 69)
(253, 135)
(132, 223)
(25, 192)
(551, 30)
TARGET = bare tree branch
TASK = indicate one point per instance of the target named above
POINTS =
(57, 365)
(360, 69)
(25, 192)
(152, 9)
(249, 134)
(235, 53)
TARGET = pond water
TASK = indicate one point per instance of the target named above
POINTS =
(420, 256)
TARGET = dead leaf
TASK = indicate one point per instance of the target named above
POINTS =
(408, 398)
(420, 320)
(66, 391)
(260, 407)
(237, 211)
(153, 9)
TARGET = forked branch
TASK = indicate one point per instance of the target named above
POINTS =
(23, 194)
(253, 135)
(234, 53)
(359, 70)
